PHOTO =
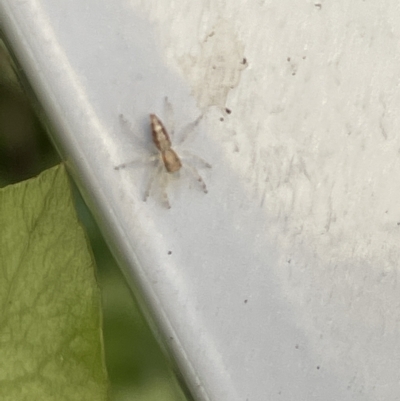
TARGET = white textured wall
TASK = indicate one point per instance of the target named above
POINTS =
(315, 122)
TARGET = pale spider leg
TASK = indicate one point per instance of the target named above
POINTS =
(155, 173)
(188, 129)
(198, 177)
(164, 185)
(202, 163)
(138, 160)
(126, 122)
(130, 129)
(169, 116)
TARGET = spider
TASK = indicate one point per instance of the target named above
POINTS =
(169, 163)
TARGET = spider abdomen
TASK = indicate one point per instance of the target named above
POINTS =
(171, 161)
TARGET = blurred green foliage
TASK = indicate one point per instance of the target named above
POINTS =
(50, 327)
(136, 366)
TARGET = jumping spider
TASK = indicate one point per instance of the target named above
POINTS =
(168, 162)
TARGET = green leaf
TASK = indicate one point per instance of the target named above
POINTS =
(50, 320)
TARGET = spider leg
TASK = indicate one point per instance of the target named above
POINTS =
(124, 121)
(137, 160)
(188, 128)
(198, 178)
(133, 129)
(169, 116)
(200, 161)
(164, 185)
(155, 172)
